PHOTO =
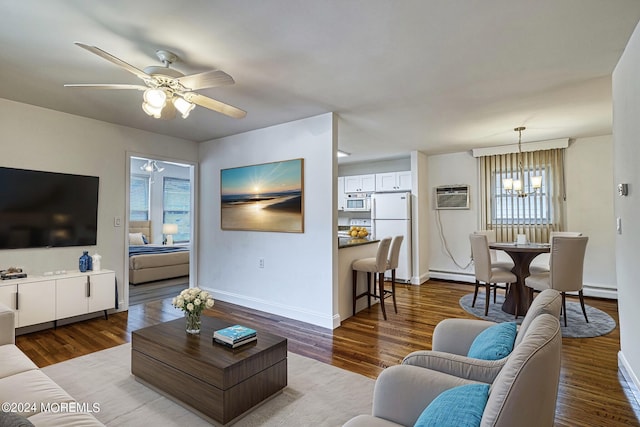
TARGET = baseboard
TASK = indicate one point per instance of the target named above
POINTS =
(596, 291)
(629, 376)
(589, 290)
(295, 313)
(418, 280)
(451, 275)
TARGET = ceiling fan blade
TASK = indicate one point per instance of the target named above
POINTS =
(214, 105)
(119, 62)
(207, 79)
(107, 86)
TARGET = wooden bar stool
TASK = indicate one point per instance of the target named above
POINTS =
(392, 264)
(376, 265)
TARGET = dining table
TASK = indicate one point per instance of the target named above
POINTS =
(522, 255)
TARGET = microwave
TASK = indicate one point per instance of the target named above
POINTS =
(357, 202)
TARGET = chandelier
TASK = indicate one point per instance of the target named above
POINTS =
(516, 186)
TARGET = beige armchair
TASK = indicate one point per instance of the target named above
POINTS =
(452, 339)
(566, 270)
(523, 394)
(485, 272)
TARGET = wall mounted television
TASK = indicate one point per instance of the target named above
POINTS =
(47, 209)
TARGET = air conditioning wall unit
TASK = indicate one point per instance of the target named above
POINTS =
(452, 196)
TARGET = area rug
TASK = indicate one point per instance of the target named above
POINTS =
(600, 323)
(317, 394)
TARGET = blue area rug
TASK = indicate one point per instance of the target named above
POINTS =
(600, 323)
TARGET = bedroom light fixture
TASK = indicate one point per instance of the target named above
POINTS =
(516, 186)
(151, 166)
(169, 230)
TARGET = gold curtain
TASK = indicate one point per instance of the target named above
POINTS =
(535, 215)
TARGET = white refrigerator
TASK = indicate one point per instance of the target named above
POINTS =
(391, 216)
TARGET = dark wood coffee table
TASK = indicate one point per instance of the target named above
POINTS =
(212, 380)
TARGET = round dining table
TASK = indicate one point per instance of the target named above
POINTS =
(522, 255)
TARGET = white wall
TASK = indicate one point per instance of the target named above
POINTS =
(626, 128)
(298, 278)
(589, 210)
(41, 139)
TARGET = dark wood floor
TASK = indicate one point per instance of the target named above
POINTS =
(592, 392)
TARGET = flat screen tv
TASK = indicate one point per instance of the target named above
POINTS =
(47, 209)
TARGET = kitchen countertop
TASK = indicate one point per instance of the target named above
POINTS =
(348, 242)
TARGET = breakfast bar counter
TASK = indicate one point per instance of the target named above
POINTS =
(351, 249)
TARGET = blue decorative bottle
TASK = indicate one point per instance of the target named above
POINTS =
(85, 262)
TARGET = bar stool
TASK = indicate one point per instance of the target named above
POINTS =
(376, 265)
(392, 264)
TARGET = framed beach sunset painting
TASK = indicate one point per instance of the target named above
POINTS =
(264, 197)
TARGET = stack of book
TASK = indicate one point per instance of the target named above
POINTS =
(235, 336)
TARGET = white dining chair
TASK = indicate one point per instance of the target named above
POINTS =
(565, 275)
(544, 268)
(485, 272)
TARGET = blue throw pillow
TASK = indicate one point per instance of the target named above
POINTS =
(145, 240)
(460, 406)
(494, 343)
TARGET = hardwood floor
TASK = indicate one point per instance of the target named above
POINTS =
(592, 391)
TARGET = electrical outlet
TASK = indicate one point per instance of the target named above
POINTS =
(261, 262)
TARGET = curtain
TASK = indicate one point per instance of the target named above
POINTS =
(534, 215)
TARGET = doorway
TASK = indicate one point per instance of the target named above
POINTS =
(160, 228)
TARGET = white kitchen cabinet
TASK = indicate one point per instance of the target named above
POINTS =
(393, 181)
(84, 293)
(360, 183)
(341, 193)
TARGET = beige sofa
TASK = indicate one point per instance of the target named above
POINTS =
(26, 391)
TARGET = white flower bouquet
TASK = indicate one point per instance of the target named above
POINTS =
(192, 302)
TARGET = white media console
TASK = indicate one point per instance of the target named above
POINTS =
(40, 299)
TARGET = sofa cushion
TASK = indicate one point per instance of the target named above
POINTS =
(11, 419)
(494, 343)
(33, 387)
(460, 406)
(14, 361)
(65, 418)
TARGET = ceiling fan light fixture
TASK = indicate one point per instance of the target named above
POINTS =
(151, 110)
(151, 166)
(183, 106)
(155, 97)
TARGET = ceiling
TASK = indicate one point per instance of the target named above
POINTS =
(432, 75)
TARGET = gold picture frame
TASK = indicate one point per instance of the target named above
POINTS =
(263, 197)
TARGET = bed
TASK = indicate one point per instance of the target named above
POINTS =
(149, 262)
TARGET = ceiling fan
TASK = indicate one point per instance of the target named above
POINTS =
(166, 89)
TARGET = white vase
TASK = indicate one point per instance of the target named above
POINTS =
(96, 261)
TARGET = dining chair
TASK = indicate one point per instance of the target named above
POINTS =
(505, 265)
(373, 265)
(491, 238)
(565, 273)
(485, 272)
(544, 268)
(392, 264)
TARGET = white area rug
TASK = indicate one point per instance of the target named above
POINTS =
(317, 394)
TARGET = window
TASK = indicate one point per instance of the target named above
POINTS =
(177, 206)
(533, 209)
(139, 198)
(536, 214)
